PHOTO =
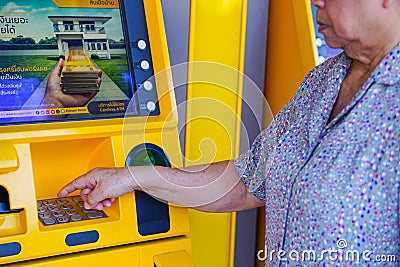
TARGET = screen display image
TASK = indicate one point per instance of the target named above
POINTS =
(66, 63)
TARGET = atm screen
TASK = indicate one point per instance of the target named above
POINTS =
(62, 63)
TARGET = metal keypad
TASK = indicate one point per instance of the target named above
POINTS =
(64, 210)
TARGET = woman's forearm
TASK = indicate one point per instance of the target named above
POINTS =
(214, 188)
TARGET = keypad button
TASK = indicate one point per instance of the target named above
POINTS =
(45, 215)
(67, 207)
(63, 219)
(71, 212)
(88, 210)
(94, 214)
(61, 201)
(76, 218)
(42, 210)
(76, 199)
(58, 213)
(49, 221)
(49, 202)
(53, 208)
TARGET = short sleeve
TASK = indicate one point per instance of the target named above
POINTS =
(251, 170)
(252, 166)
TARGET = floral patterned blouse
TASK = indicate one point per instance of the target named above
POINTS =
(331, 189)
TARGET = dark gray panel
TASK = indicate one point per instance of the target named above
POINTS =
(176, 18)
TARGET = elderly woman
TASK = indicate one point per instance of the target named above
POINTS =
(328, 167)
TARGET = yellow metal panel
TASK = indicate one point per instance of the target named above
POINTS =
(305, 34)
(149, 251)
(291, 52)
(217, 33)
(217, 37)
(173, 259)
(8, 157)
(121, 257)
(213, 238)
(140, 255)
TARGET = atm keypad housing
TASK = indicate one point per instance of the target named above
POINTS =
(65, 210)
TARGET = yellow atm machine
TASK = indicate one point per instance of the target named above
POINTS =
(58, 121)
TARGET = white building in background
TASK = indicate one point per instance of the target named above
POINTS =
(87, 32)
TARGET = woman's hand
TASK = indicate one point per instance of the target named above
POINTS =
(101, 186)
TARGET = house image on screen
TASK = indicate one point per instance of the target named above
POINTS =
(85, 32)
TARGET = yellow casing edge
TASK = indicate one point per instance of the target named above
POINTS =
(214, 104)
(50, 155)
